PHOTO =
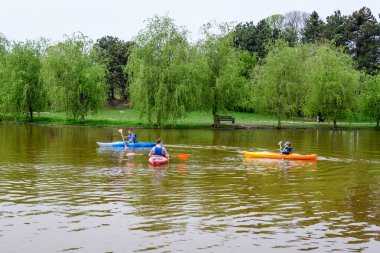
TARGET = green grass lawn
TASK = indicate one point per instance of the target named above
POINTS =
(122, 116)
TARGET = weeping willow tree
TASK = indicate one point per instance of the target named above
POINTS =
(164, 71)
(370, 98)
(279, 87)
(334, 83)
(75, 81)
(225, 86)
(21, 88)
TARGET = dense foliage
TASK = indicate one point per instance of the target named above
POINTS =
(21, 88)
(114, 53)
(291, 65)
(364, 40)
(334, 83)
(226, 86)
(163, 73)
(281, 79)
(370, 98)
(312, 33)
(75, 82)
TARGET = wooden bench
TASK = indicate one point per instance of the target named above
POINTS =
(220, 118)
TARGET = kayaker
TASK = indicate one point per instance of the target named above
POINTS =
(131, 137)
(287, 149)
(158, 149)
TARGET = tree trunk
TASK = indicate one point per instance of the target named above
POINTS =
(111, 95)
(123, 91)
(81, 102)
(378, 122)
(30, 113)
(335, 124)
(279, 123)
(215, 110)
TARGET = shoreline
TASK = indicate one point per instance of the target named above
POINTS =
(328, 127)
(123, 117)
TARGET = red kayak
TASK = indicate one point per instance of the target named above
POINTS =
(157, 160)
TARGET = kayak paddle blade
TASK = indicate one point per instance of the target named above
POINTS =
(183, 156)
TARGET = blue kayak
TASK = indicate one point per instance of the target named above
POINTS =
(129, 145)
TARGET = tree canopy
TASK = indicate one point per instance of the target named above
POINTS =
(313, 29)
(370, 98)
(336, 29)
(75, 82)
(334, 83)
(364, 40)
(164, 82)
(279, 88)
(114, 53)
(21, 88)
(225, 87)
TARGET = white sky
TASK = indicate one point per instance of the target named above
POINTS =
(31, 19)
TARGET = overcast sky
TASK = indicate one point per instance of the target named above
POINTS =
(31, 19)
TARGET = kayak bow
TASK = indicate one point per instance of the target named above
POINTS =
(158, 160)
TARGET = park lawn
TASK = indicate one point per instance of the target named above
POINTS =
(122, 116)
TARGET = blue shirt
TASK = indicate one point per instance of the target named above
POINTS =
(287, 150)
(132, 138)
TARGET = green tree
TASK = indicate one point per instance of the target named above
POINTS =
(245, 37)
(21, 87)
(164, 72)
(226, 87)
(248, 63)
(114, 53)
(370, 98)
(363, 40)
(333, 82)
(75, 81)
(253, 38)
(313, 29)
(279, 88)
(336, 29)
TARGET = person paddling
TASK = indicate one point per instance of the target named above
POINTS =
(287, 149)
(158, 149)
(131, 137)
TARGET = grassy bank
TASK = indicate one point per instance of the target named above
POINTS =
(128, 117)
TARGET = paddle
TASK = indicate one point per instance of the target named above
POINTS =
(279, 143)
(122, 136)
(180, 156)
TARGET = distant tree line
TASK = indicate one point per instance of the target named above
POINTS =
(285, 65)
(358, 34)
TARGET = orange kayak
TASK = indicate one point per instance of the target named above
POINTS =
(157, 160)
(273, 155)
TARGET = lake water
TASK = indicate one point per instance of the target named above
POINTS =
(60, 192)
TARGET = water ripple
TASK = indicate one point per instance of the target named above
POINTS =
(87, 199)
